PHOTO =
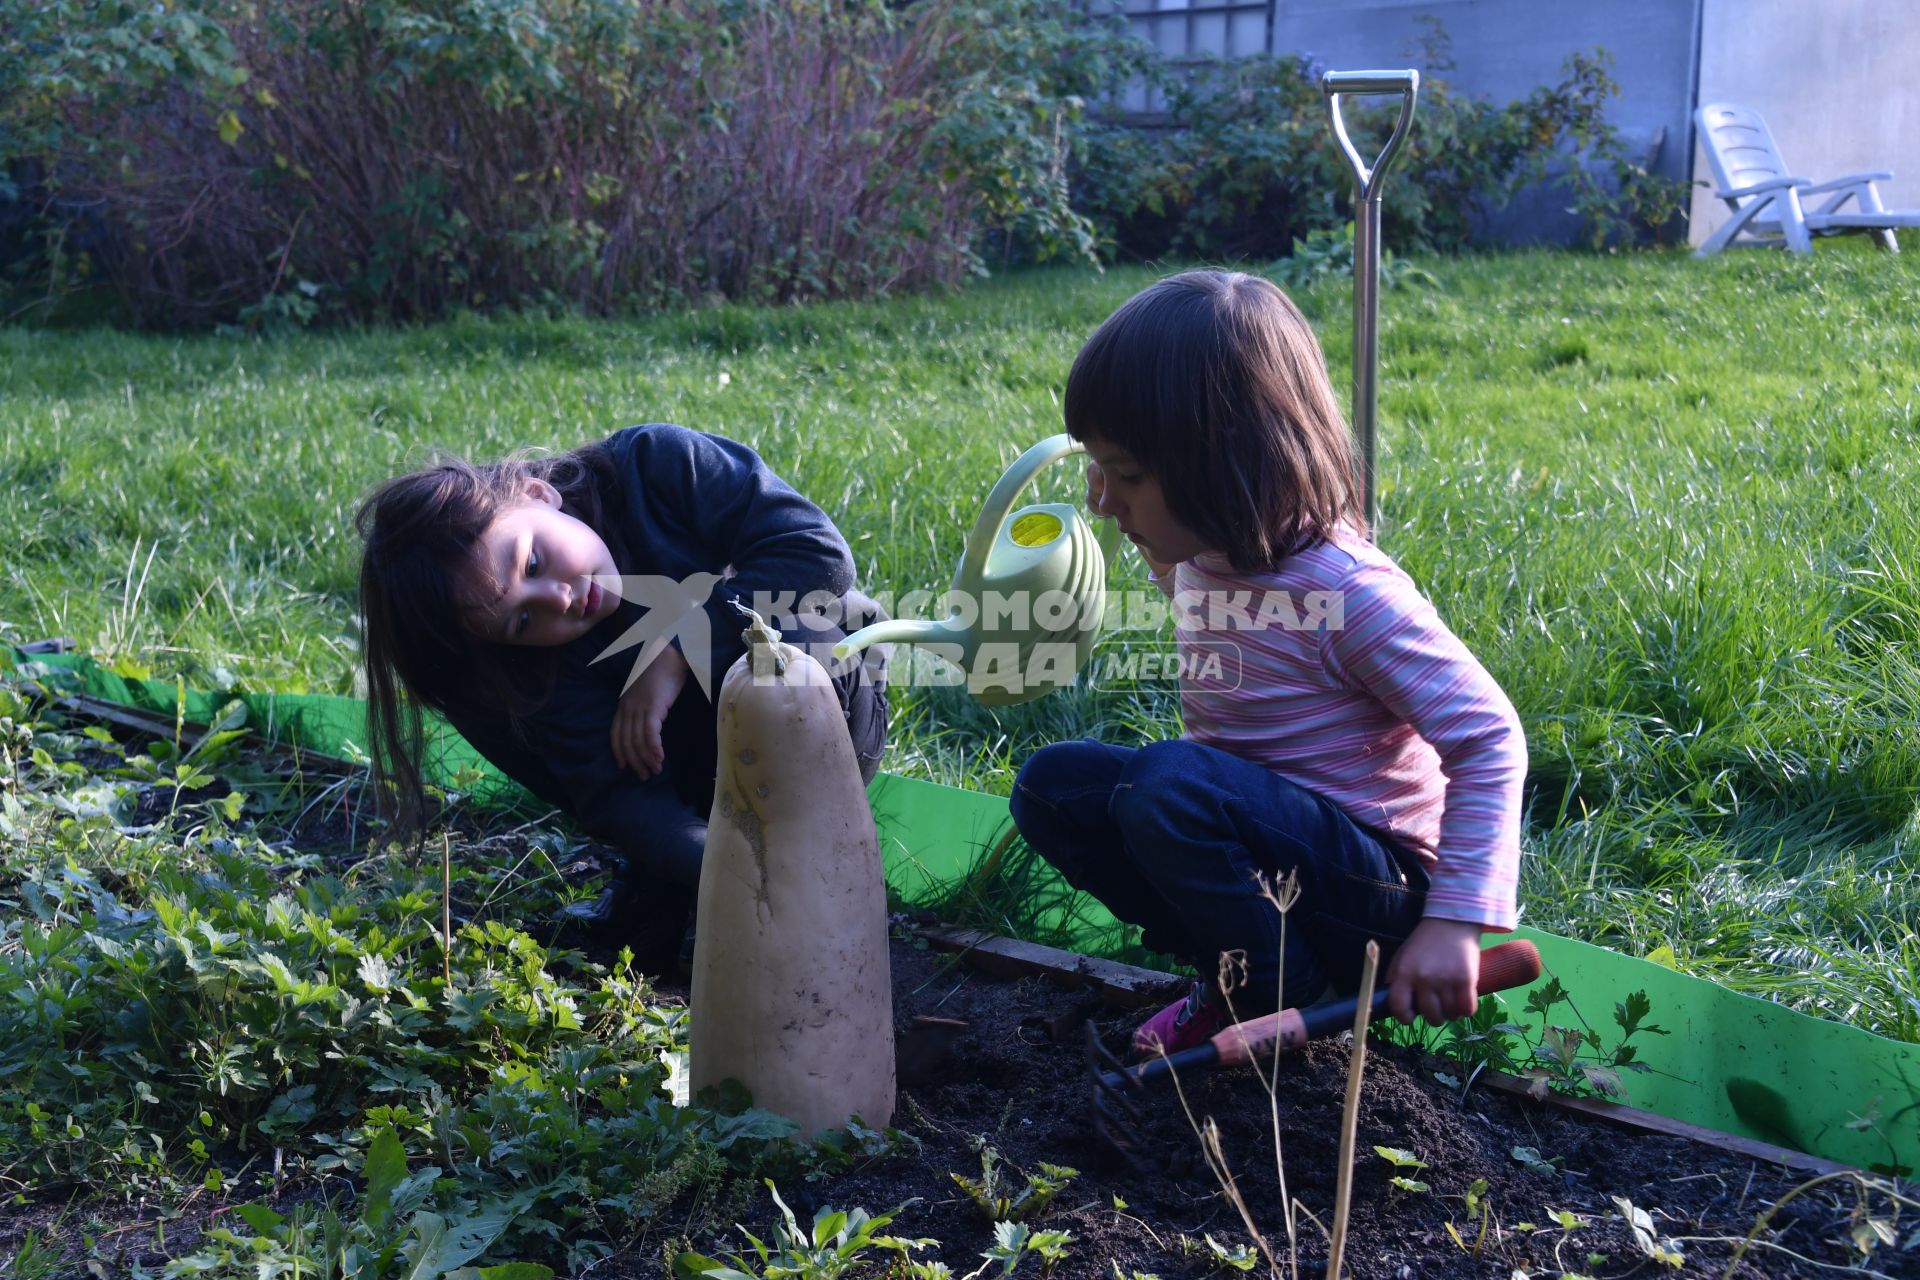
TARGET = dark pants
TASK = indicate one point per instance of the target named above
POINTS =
(1172, 837)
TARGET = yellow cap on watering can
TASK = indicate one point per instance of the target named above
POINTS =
(1028, 596)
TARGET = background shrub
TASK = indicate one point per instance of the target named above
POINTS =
(1245, 164)
(207, 161)
(401, 158)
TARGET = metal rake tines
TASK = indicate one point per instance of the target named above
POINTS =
(1116, 1104)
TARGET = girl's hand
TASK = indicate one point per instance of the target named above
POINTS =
(1435, 973)
(643, 709)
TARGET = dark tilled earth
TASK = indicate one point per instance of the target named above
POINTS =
(1017, 1078)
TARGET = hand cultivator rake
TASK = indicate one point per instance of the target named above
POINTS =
(1118, 1088)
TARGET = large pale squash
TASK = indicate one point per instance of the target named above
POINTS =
(791, 991)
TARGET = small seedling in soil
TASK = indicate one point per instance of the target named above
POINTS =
(33, 1260)
(835, 1245)
(1239, 1258)
(1532, 1159)
(837, 1151)
(1477, 1206)
(1664, 1251)
(993, 1197)
(1013, 1241)
(1402, 1160)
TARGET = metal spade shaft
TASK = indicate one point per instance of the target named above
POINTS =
(1366, 250)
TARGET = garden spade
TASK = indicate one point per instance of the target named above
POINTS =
(1366, 249)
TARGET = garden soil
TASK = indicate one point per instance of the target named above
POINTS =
(1016, 1079)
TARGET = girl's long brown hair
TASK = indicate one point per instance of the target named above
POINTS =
(420, 537)
(1215, 384)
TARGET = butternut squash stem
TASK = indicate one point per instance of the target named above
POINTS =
(757, 636)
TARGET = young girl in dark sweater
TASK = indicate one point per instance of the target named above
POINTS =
(496, 595)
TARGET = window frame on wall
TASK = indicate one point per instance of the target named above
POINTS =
(1182, 31)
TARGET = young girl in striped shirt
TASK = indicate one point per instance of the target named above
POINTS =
(1335, 728)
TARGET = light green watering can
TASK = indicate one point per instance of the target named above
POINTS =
(1028, 596)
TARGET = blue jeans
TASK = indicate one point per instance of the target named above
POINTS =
(1171, 837)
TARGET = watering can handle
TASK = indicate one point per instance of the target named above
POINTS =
(1000, 499)
(1405, 83)
(986, 530)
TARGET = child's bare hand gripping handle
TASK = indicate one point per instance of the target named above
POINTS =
(1435, 974)
(1515, 963)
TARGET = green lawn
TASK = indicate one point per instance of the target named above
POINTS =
(1669, 503)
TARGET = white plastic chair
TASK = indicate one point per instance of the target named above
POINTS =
(1767, 201)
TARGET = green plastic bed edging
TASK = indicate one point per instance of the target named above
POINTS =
(1730, 1062)
(326, 723)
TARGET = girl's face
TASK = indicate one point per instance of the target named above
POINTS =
(1118, 486)
(548, 579)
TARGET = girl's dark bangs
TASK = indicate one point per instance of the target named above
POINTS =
(1117, 390)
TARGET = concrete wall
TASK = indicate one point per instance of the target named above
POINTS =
(1501, 50)
(1834, 79)
(1504, 49)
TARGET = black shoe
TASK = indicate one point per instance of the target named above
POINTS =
(651, 917)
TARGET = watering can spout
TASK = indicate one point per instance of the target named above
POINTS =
(1106, 536)
(892, 631)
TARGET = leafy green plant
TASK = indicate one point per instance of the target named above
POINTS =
(393, 1235)
(1013, 1241)
(839, 1151)
(1223, 1260)
(995, 1194)
(836, 1243)
(1629, 200)
(1330, 252)
(33, 1258)
(177, 999)
(1558, 1051)
(1402, 1160)
(1564, 1059)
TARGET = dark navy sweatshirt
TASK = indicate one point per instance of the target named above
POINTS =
(677, 503)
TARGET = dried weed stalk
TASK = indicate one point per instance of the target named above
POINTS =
(1231, 976)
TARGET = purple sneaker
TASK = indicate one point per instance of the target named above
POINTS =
(1191, 1020)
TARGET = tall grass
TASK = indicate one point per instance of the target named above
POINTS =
(1668, 503)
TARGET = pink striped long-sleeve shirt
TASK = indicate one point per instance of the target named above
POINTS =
(1336, 673)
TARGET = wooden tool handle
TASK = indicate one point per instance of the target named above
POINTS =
(1511, 964)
